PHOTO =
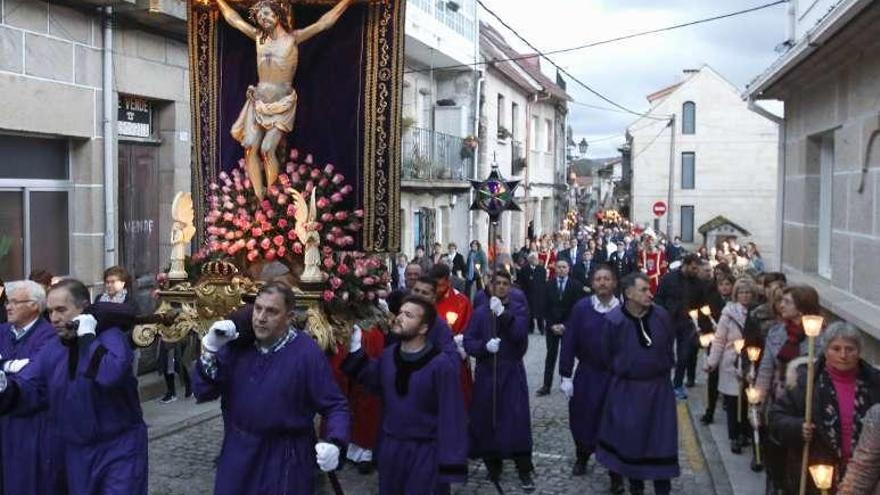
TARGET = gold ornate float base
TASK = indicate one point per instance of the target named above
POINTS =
(193, 308)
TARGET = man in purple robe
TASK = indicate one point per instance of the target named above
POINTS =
(31, 459)
(500, 427)
(586, 391)
(270, 393)
(423, 441)
(85, 379)
(440, 335)
(638, 435)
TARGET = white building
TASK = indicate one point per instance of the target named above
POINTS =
(723, 160)
(522, 109)
(438, 113)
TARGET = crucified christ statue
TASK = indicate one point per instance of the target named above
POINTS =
(268, 113)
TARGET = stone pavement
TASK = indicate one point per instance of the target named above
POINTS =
(181, 457)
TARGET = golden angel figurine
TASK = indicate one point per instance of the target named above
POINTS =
(182, 233)
(305, 217)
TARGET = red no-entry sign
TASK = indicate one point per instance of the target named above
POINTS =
(659, 208)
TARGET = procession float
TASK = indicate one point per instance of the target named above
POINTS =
(296, 163)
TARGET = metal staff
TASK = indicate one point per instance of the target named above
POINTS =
(492, 233)
(334, 483)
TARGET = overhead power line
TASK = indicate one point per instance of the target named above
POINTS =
(562, 70)
(605, 41)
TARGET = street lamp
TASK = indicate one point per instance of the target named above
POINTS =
(583, 145)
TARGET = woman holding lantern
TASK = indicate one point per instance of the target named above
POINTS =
(845, 387)
(724, 357)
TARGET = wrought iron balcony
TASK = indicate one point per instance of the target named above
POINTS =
(434, 156)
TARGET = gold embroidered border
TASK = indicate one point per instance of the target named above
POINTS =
(384, 78)
(204, 96)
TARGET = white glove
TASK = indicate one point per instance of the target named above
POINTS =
(459, 345)
(220, 333)
(327, 456)
(493, 345)
(496, 306)
(567, 387)
(356, 336)
(87, 325)
(15, 365)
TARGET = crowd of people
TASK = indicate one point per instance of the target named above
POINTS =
(436, 375)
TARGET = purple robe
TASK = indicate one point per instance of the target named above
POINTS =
(582, 340)
(423, 441)
(32, 460)
(517, 298)
(269, 402)
(97, 413)
(509, 434)
(638, 435)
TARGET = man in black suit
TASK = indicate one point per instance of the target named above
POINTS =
(562, 293)
(411, 274)
(584, 268)
(532, 279)
(621, 262)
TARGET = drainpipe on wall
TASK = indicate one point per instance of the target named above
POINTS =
(110, 188)
(780, 177)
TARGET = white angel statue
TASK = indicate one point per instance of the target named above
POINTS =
(182, 233)
(305, 217)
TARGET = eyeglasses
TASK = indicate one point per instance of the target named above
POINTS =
(18, 303)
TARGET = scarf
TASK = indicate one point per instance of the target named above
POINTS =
(644, 330)
(119, 297)
(792, 347)
(406, 368)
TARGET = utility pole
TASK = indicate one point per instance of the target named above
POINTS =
(670, 209)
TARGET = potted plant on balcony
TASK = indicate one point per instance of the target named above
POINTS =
(407, 122)
(503, 133)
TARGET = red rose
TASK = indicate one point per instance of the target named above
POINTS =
(328, 295)
(265, 244)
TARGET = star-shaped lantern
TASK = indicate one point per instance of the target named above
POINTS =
(495, 194)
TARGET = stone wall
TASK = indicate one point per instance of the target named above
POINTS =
(51, 84)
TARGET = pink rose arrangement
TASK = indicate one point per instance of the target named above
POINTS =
(249, 230)
(353, 277)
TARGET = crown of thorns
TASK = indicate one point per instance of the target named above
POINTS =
(281, 8)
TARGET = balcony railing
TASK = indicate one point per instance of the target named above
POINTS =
(430, 155)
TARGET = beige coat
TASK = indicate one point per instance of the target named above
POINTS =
(722, 355)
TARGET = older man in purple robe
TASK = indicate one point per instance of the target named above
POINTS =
(638, 434)
(31, 457)
(270, 393)
(85, 379)
(423, 440)
(500, 428)
(585, 388)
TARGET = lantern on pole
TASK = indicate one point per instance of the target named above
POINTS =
(823, 477)
(812, 327)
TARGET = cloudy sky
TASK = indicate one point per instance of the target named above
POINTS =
(739, 48)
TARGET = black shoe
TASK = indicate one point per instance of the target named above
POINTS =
(187, 394)
(707, 419)
(735, 448)
(543, 391)
(579, 468)
(755, 466)
(168, 399)
(526, 483)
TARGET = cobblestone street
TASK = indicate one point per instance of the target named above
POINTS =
(182, 462)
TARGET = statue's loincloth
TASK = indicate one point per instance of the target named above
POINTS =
(277, 114)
